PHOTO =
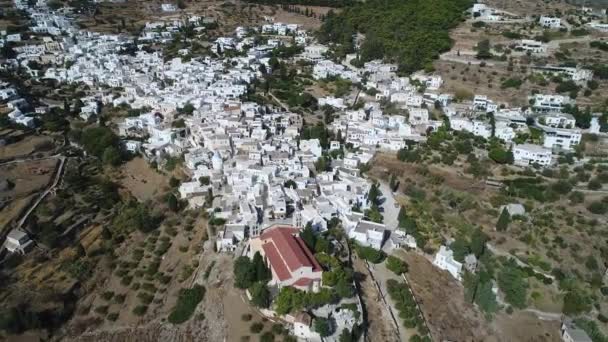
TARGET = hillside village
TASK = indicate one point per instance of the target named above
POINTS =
(285, 180)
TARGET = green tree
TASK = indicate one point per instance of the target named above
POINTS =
(346, 336)
(262, 272)
(512, 282)
(576, 303)
(503, 220)
(485, 298)
(260, 296)
(483, 49)
(478, 242)
(96, 140)
(289, 299)
(324, 326)
(290, 183)
(244, 272)
(309, 237)
(111, 156)
(344, 288)
(500, 155)
(172, 203)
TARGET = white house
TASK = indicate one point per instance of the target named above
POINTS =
(312, 146)
(534, 46)
(571, 333)
(549, 103)
(369, 233)
(529, 154)
(18, 117)
(576, 74)
(444, 259)
(561, 139)
(303, 329)
(168, 7)
(419, 116)
(17, 241)
(315, 52)
(557, 120)
(549, 22)
(228, 239)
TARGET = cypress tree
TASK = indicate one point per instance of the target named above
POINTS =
(503, 220)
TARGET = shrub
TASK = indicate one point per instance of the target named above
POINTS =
(107, 295)
(576, 303)
(511, 83)
(598, 207)
(140, 310)
(370, 254)
(186, 304)
(277, 328)
(396, 265)
(145, 297)
(267, 337)
(512, 282)
(256, 327)
(102, 310)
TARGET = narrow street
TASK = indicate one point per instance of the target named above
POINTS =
(390, 206)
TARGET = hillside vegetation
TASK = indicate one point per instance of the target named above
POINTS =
(410, 33)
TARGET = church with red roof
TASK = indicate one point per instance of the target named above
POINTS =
(289, 259)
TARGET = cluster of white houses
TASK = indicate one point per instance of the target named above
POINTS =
(250, 152)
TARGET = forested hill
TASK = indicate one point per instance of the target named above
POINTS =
(409, 32)
(323, 3)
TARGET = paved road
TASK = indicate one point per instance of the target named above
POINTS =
(391, 212)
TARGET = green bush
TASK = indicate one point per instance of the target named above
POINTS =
(186, 304)
(107, 295)
(511, 83)
(396, 265)
(267, 337)
(140, 310)
(513, 283)
(370, 254)
(598, 208)
(256, 327)
(405, 303)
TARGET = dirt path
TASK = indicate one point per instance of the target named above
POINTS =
(56, 180)
(379, 323)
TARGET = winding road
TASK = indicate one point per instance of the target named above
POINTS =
(48, 190)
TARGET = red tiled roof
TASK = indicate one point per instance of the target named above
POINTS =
(276, 263)
(287, 252)
(303, 282)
